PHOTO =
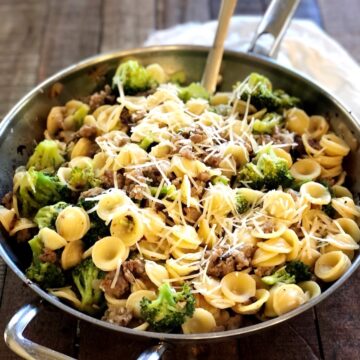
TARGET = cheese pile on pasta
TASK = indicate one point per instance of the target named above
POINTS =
(148, 190)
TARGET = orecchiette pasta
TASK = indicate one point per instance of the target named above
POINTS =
(330, 266)
(297, 121)
(202, 321)
(306, 169)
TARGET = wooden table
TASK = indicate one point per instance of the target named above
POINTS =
(39, 37)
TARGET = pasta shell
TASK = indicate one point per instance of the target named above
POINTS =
(202, 321)
(51, 239)
(72, 254)
(109, 252)
(331, 266)
(7, 217)
(128, 227)
(238, 286)
(72, 223)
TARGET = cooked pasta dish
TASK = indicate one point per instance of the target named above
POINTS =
(157, 206)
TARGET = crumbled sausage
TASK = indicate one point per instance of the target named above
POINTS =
(23, 235)
(107, 179)
(48, 255)
(133, 269)
(101, 98)
(263, 271)
(7, 200)
(117, 315)
(87, 131)
(213, 160)
(121, 287)
(192, 214)
(187, 153)
(224, 260)
(91, 193)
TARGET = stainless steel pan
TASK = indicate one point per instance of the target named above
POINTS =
(25, 122)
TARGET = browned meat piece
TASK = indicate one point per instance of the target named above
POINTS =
(204, 176)
(91, 192)
(224, 261)
(87, 131)
(234, 322)
(199, 189)
(213, 160)
(117, 315)
(133, 189)
(107, 179)
(187, 153)
(126, 118)
(101, 98)
(121, 287)
(263, 271)
(153, 174)
(192, 214)
(7, 200)
(138, 115)
(24, 235)
(198, 136)
(48, 255)
(133, 269)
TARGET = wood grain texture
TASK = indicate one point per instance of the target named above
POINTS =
(53, 34)
(339, 22)
(126, 23)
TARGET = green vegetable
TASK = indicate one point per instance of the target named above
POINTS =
(46, 216)
(133, 77)
(146, 142)
(293, 272)
(166, 190)
(46, 274)
(37, 190)
(79, 115)
(221, 179)
(169, 311)
(47, 156)
(86, 277)
(193, 91)
(178, 77)
(267, 124)
(83, 179)
(242, 205)
(98, 228)
(266, 170)
(262, 96)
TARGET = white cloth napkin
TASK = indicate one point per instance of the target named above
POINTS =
(305, 48)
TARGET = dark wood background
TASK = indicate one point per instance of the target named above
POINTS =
(39, 37)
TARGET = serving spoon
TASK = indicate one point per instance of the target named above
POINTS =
(213, 62)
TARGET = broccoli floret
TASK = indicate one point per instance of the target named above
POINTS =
(266, 171)
(147, 142)
(293, 272)
(85, 276)
(242, 205)
(79, 115)
(98, 228)
(285, 100)
(250, 175)
(168, 191)
(47, 156)
(47, 215)
(267, 124)
(329, 210)
(47, 275)
(83, 179)
(133, 77)
(259, 88)
(280, 275)
(37, 190)
(221, 179)
(178, 77)
(298, 269)
(170, 309)
(275, 170)
(193, 91)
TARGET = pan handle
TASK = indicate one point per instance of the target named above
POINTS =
(274, 22)
(155, 352)
(23, 347)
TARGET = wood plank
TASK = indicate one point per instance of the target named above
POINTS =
(339, 22)
(72, 33)
(339, 324)
(52, 328)
(173, 12)
(126, 24)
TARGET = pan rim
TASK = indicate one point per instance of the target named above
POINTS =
(154, 335)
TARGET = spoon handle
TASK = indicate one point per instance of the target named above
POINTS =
(214, 58)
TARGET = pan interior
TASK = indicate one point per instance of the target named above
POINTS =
(24, 125)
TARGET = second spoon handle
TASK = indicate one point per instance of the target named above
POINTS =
(214, 58)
